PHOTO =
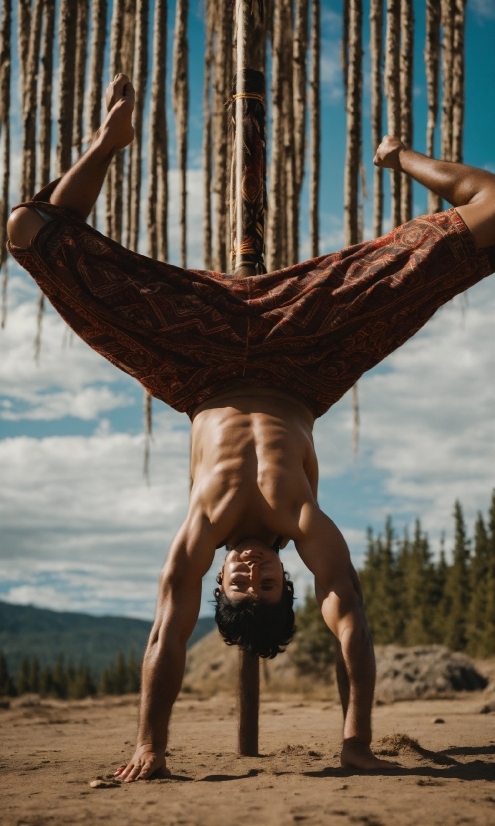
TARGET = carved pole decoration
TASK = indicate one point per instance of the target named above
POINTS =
(248, 184)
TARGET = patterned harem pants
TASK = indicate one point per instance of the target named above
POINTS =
(312, 329)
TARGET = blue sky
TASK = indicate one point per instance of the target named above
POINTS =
(80, 528)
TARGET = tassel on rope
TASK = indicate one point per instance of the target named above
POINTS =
(148, 433)
(355, 421)
(5, 74)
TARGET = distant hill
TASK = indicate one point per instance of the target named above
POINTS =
(26, 631)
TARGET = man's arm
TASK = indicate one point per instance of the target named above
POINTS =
(164, 661)
(470, 190)
(323, 549)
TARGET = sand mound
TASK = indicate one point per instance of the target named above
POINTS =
(426, 672)
(212, 666)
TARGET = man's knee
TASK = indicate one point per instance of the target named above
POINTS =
(23, 225)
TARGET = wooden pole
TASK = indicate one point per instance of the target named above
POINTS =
(249, 703)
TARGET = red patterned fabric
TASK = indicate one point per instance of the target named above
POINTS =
(311, 330)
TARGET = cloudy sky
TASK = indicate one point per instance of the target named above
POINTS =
(81, 529)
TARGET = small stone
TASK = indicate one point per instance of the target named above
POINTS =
(104, 784)
(438, 720)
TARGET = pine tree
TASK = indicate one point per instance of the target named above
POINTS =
(380, 586)
(46, 681)
(59, 679)
(314, 652)
(419, 588)
(479, 589)
(34, 675)
(120, 674)
(457, 587)
(24, 682)
(488, 638)
(7, 687)
(439, 604)
(106, 682)
(133, 674)
(82, 684)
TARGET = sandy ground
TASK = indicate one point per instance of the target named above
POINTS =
(50, 752)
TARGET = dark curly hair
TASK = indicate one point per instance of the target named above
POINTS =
(256, 627)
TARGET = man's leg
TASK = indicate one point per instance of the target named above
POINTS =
(81, 185)
(470, 190)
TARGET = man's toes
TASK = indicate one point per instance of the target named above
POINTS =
(115, 89)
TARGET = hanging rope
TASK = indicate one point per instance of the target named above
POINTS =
(46, 93)
(180, 96)
(458, 81)
(140, 79)
(300, 96)
(276, 198)
(207, 142)
(448, 15)
(314, 109)
(80, 78)
(392, 91)
(113, 194)
(29, 104)
(376, 26)
(98, 38)
(5, 72)
(432, 62)
(67, 40)
(158, 150)
(353, 109)
(222, 82)
(406, 103)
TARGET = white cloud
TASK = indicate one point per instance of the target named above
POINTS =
(67, 381)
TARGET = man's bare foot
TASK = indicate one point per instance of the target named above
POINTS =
(356, 755)
(117, 130)
(387, 154)
(147, 763)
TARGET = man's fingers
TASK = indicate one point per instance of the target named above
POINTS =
(133, 774)
(123, 771)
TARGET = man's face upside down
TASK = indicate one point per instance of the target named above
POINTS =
(253, 570)
(254, 600)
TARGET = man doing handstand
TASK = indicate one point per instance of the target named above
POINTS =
(253, 361)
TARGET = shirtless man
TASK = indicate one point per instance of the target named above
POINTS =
(254, 468)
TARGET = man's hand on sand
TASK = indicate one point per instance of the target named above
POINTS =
(117, 129)
(147, 763)
(387, 154)
(357, 755)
